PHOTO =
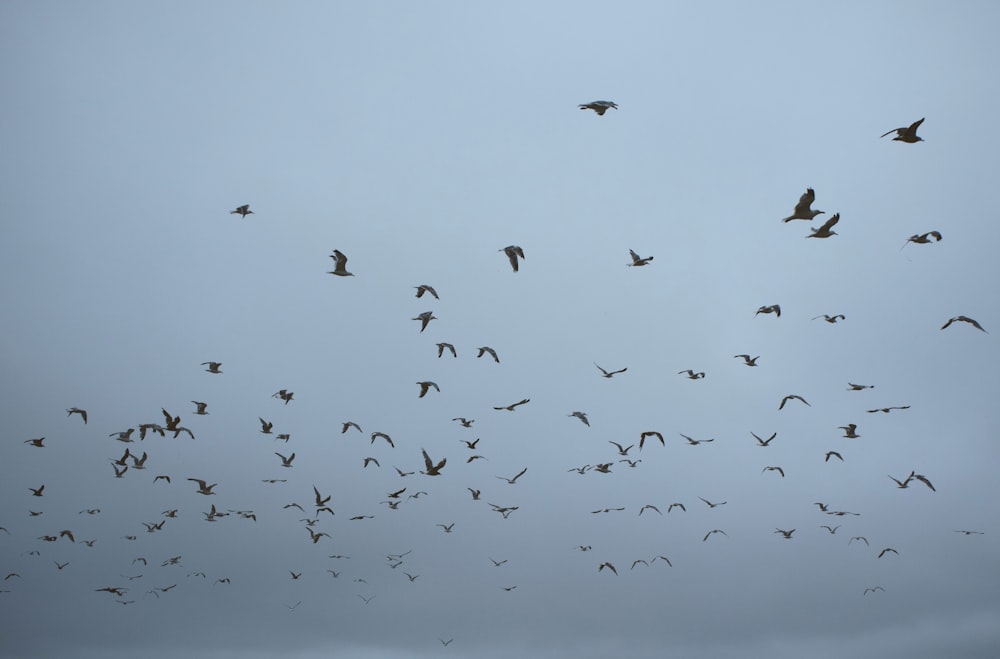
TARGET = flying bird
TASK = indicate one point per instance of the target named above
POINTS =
(202, 408)
(466, 423)
(964, 319)
(286, 462)
(607, 565)
(824, 231)
(777, 469)
(651, 433)
(265, 426)
(886, 410)
(887, 549)
(513, 252)
(747, 360)
(203, 487)
(510, 408)
(638, 260)
(922, 238)
(713, 505)
(833, 454)
(792, 397)
(774, 308)
(76, 410)
(446, 346)
(695, 442)
(858, 387)
(609, 374)
(600, 107)
(424, 288)
(763, 442)
(714, 531)
(425, 386)
(340, 269)
(906, 134)
(582, 416)
(425, 318)
(432, 469)
(803, 210)
(691, 374)
(213, 367)
(513, 480)
(787, 534)
(849, 430)
(349, 424)
(873, 589)
(242, 211)
(486, 349)
(831, 319)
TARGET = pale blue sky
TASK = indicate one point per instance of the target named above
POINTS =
(420, 139)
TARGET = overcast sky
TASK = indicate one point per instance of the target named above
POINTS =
(420, 139)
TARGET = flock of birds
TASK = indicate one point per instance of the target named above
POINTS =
(320, 511)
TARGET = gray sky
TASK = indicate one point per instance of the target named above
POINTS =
(420, 139)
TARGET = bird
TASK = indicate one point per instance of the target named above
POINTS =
(922, 238)
(747, 360)
(284, 394)
(213, 367)
(76, 410)
(475, 493)
(712, 505)
(861, 538)
(764, 442)
(367, 599)
(320, 500)
(886, 410)
(638, 260)
(202, 408)
(676, 505)
(923, 479)
(286, 462)
(773, 308)
(803, 210)
(471, 445)
(513, 480)
(833, 454)
(886, 550)
(714, 531)
(242, 211)
(513, 252)
(824, 231)
(609, 374)
(265, 426)
(694, 442)
(970, 532)
(203, 487)
(964, 319)
(349, 424)
(486, 349)
(873, 589)
(650, 506)
(425, 318)
(446, 346)
(600, 107)
(369, 461)
(466, 423)
(495, 562)
(791, 397)
(446, 643)
(510, 408)
(340, 269)
(906, 134)
(831, 319)
(830, 529)
(425, 386)
(849, 430)
(432, 469)
(787, 534)
(37, 492)
(424, 288)
(637, 561)
(692, 375)
(777, 469)
(904, 483)
(403, 474)
(447, 527)
(621, 450)
(607, 565)
(651, 433)
(36, 442)
(858, 387)
(582, 416)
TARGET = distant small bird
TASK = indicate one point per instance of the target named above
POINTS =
(213, 367)
(424, 288)
(368, 461)
(446, 346)
(447, 527)
(510, 408)
(712, 505)
(886, 550)
(833, 454)
(600, 107)
(676, 505)
(621, 450)
(432, 469)
(858, 387)
(922, 238)
(651, 433)
(203, 487)
(787, 534)
(904, 483)
(906, 134)
(486, 349)
(774, 308)
(286, 462)
(285, 395)
(265, 426)
(466, 423)
(76, 410)
(874, 589)
(861, 538)
(609, 374)
(803, 210)
(695, 442)
(747, 360)
(964, 319)
(513, 252)
(425, 386)
(350, 424)
(446, 643)
(511, 481)
(831, 319)
(242, 211)
(714, 531)
(923, 479)
(638, 260)
(849, 430)
(36, 442)
(777, 469)
(832, 530)
(202, 408)
(970, 532)
(824, 231)
(792, 397)
(886, 410)
(582, 416)
(425, 318)
(37, 492)
(763, 442)
(607, 565)
(340, 269)
(692, 375)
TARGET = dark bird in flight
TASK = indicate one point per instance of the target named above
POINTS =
(849, 430)
(638, 260)
(425, 318)
(242, 211)
(923, 238)
(764, 442)
(859, 537)
(202, 408)
(691, 374)
(580, 415)
(513, 252)
(873, 589)
(425, 386)
(834, 454)
(787, 534)
(203, 487)
(37, 492)
(651, 433)
(600, 107)
(907, 134)
(510, 408)
(695, 442)
(713, 505)
(803, 210)
(213, 367)
(286, 462)
(747, 360)
(340, 269)
(887, 549)
(621, 450)
(424, 288)
(432, 469)
(714, 531)
(513, 480)
(265, 426)
(76, 410)
(486, 349)
(466, 423)
(609, 374)
(777, 469)
(830, 529)
(964, 319)
(970, 532)
(904, 483)
(886, 410)
(923, 479)
(607, 565)
(831, 319)
(824, 231)
(858, 387)
(446, 346)
(349, 424)
(791, 397)
(774, 308)
(36, 442)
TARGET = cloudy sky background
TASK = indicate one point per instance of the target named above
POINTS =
(420, 139)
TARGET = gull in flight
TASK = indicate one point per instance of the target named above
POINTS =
(513, 252)
(692, 375)
(424, 288)
(446, 346)
(510, 408)
(203, 487)
(777, 469)
(763, 442)
(906, 134)
(466, 423)
(922, 238)
(213, 367)
(802, 209)
(286, 462)
(695, 442)
(886, 410)
(651, 433)
(858, 387)
(486, 349)
(242, 211)
(790, 397)
(202, 407)
(714, 531)
(340, 269)
(609, 374)
(600, 107)
(432, 469)
(349, 424)
(425, 318)
(582, 416)
(607, 565)
(513, 480)
(873, 589)
(638, 260)
(831, 319)
(787, 534)
(964, 319)
(425, 386)
(76, 410)
(824, 231)
(713, 505)
(849, 430)
(774, 308)
(747, 360)
(834, 454)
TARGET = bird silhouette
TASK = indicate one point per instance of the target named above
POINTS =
(600, 107)
(906, 134)
(803, 210)
(824, 231)
(340, 269)
(242, 211)
(513, 252)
